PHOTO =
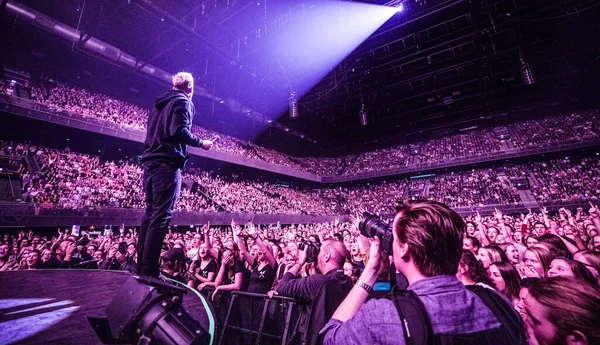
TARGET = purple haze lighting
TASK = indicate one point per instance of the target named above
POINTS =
(400, 8)
(320, 35)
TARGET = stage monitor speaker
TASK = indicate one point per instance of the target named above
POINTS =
(149, 311)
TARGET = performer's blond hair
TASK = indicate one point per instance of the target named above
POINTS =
(183, 81)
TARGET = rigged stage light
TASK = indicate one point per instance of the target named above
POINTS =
(397, 4)
(363, 116)
(526, 72)
(293, 105)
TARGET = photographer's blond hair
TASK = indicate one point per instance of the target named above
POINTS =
(183, 81)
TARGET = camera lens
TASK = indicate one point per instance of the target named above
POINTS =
(372, 226)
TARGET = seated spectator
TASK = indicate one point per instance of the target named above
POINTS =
(442, 146)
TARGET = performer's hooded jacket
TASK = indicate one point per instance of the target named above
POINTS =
(169, 130)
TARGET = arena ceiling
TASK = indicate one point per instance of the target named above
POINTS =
(437, 63)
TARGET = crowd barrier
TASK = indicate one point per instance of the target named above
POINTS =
(13, 214)
(252, 319)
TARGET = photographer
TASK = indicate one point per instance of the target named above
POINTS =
(427, 247)
(322, 292)
(117, 258)
(174, 264)
(63, 257)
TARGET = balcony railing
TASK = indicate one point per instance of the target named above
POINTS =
(42, 112)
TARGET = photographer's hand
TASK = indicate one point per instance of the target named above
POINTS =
(69, 251)
(302, 256)
(374, 263)
(294, 269)
(358, 295)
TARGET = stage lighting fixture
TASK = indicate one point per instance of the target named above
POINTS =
(526, 72)
(150, 311)
(397, 4)
(293, 105)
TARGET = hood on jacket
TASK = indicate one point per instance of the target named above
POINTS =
(164, 99)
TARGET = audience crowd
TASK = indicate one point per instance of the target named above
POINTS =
(526, 258)
(72, 180)
(535, 133)
(564, 180)
(519, 256)
(505, 253)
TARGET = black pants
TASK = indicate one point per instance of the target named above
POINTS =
(162, 183)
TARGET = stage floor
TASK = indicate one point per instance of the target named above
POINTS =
(52, 306)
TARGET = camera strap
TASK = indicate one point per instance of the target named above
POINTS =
(417, 328)
(504, 312)
(415, 321)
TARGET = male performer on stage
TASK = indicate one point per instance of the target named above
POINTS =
(168, 134)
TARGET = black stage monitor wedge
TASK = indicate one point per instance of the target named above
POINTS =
(149, 311)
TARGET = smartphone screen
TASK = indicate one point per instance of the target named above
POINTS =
(75, 230)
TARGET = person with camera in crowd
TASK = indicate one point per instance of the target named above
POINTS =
(63, 255)
(426, 247)
(118, 258)
(322, 292)
(219, 249)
